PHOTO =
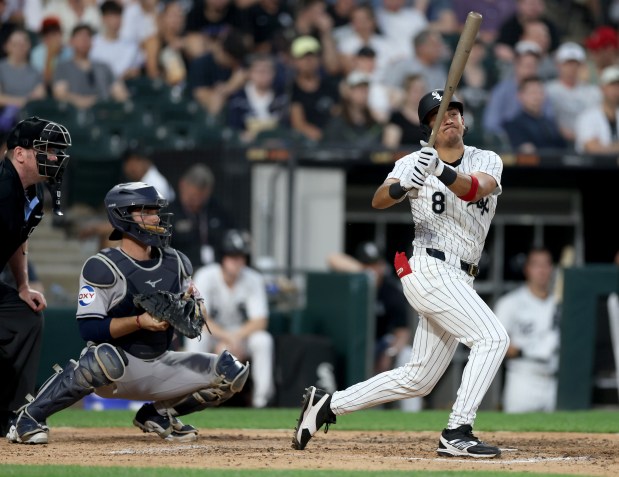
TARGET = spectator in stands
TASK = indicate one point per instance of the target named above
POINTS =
(235, 296)
(259, 105)
(603, 47)
(392, 335)
(537, 32)
(340, 11)
(315, 96)
(529, 316)
(400, 23)
(503, 103)
(208, 22)
(494, 14)
(50, 51)
(478, 79)
(404, 127)
(139, 21)
(20, 82)
(440, 14)
(355, 124)
(199, 221)
(269, 21)
(312, 19)
(168, 58)
(364, 32)
(122, 56)
(510, 32)
(82, 81)
(531, 131)
(379, 101)
(597, 130)
(72, 13)
(429, 61)
(6, 28)
(138, 167)
(569, 94)
(214, 77)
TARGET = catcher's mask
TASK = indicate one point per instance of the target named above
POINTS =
(46, 138)
(123, 199)
(430, 103)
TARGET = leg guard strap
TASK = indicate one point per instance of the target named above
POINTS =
(97, 366)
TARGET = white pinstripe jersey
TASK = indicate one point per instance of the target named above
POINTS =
(442, 220)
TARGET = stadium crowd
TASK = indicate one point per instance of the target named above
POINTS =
(322, 71)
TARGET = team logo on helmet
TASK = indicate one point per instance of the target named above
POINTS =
(437, 96)
(86, 295)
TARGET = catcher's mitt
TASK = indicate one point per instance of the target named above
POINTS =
(183, 312)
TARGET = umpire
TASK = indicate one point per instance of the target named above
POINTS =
(36, 153)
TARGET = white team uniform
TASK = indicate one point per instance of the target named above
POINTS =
(230, 308)
(450, 311)
(530, 381)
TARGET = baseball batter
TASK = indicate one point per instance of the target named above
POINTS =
(528, 314)
(458, 187)
(128, 355)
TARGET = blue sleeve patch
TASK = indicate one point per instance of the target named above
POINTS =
(98, 273)
(86, 295)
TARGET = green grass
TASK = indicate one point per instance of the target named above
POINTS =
(371, 420)
(63, 471)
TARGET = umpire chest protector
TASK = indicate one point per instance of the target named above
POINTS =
(165, 272)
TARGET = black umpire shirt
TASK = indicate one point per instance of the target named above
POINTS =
(15, 205)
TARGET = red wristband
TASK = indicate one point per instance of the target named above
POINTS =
(137, 320)
(470, 195)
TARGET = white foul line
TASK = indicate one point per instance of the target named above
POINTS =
(157, 450)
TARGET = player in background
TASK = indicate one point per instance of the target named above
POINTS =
(529, 314)
(235, 296)
(458, 187)
(127, 355)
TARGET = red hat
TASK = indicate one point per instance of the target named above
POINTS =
(602, 37)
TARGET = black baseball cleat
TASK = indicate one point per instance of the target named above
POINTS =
(461, 442)
(169, 428)
(315, 412)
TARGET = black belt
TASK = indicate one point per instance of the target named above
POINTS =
(470, 268)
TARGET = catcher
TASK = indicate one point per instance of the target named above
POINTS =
(128, 355)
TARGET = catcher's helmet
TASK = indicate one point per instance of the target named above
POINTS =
(236, 242)
(431, 101)
(123, 199)
(46, 138)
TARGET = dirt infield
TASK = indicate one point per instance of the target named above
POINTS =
(568, 453)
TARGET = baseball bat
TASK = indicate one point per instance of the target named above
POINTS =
(458, 62)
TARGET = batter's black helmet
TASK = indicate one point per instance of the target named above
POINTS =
(432, 101)
(123, 199)
(236, 242)
(45, 137)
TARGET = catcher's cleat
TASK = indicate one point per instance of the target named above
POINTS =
(461, 442)
(26, 430)
(316, 411)
(168, 428)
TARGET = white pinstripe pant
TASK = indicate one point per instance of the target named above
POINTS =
(450, 312)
